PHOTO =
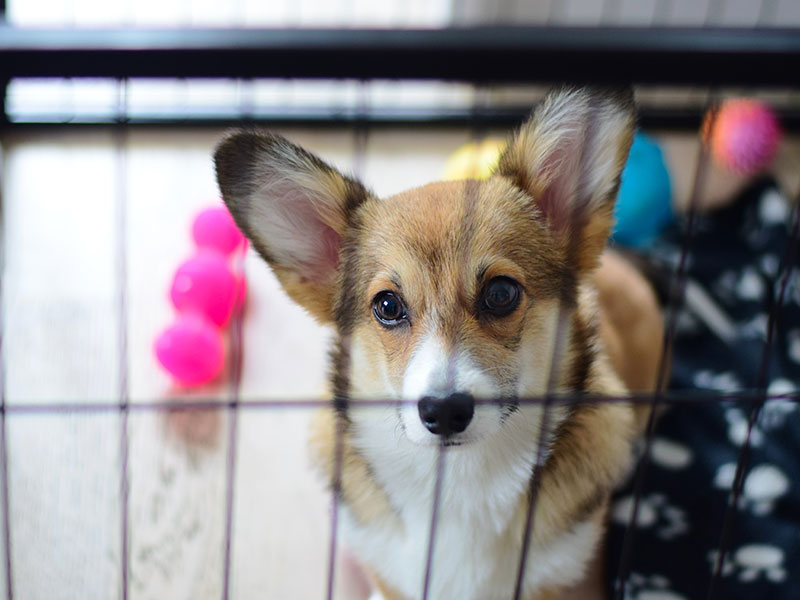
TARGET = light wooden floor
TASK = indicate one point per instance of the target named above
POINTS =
(61, 345)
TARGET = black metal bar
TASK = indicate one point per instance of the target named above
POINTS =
(4, 496)
(360, 142)
(121, 262)
(483, 54)
(236, 362)
(3, 100)
(500, 118)
(7, 563)
(194, 403)
(533, 497)
(336, 493)
(432, 529)
(557, 352)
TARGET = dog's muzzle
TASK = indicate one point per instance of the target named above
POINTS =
(446, 416)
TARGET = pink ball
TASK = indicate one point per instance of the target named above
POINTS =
(191, 350)
(214, 228)
(745, 135)
(204, 284)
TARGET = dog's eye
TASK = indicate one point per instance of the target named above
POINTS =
(501, 296)
(388, 308)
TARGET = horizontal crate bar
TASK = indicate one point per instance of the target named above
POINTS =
(649, 118)
(707, 56)
(670, 399)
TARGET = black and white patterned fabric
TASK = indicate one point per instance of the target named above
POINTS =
(734, 265)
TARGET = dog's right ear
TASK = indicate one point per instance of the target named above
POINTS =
(569, 157)
(293, 207)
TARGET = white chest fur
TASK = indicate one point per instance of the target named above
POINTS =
(479, 529)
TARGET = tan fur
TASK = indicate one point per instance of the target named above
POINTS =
(630, 322)
(442, 253)
(631, 327)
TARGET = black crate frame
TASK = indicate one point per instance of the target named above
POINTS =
(598, 55)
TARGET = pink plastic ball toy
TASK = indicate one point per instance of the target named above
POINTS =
(205, 290)
(215, 228)
(204, 284)
(192, 350)
(745, 135)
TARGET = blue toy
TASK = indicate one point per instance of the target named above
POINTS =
(644, 203)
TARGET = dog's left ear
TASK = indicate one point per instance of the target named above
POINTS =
(569, 157)
(294, 208)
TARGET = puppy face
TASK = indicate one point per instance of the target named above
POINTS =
(456, 287)
(452, 293)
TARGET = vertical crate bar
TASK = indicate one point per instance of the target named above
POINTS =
(6, 523)
(121, 184)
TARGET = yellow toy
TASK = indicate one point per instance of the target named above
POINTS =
(474, 160)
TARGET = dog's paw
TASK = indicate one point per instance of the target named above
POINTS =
(376, 595)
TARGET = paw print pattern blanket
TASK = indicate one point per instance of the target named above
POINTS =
(738, 255)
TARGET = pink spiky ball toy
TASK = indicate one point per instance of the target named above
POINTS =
(743, 135)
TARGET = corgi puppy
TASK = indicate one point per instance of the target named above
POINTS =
(461, 300)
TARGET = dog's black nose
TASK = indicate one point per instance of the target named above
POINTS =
(445, 416)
